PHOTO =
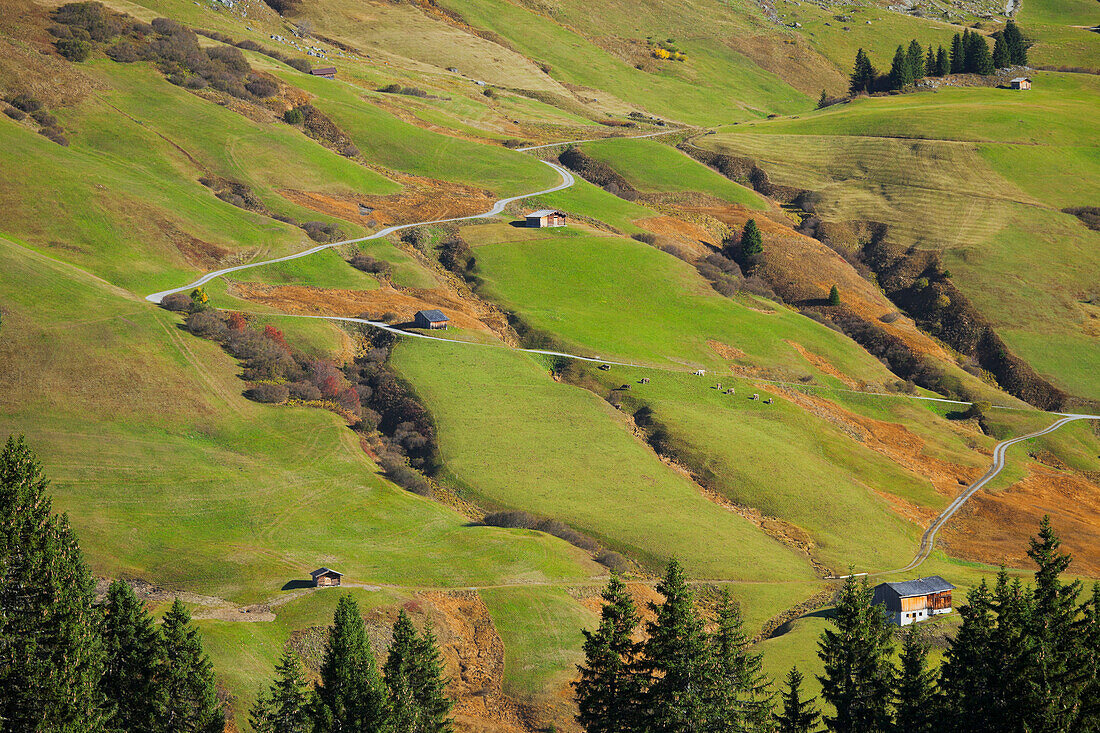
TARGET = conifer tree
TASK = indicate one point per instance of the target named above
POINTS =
(413, 673)
(282, 707)
(752, 243)
(133, 679)
(978, 58)
(1054, 631)
(858, 678)
(741, 698)
(351, 696)
(192, 702)
(930, 62)
(915, 56)
(610, 688)
(1014, 41)
(795, 715)
(915, 698)
(1088, 720)
(678, 661)
(834, 296)
(863, 74)
(969, 672)
(958, 54)
(943, 64)
(823, 100)
(901, 73)
(51, 658)
(1013, 684)
(1001, 55)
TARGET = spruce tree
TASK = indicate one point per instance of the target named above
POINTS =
(915, 700)
(1001, 55)
(834, 296)
(915, 56)
(858, 678)
(978, 58)
(351, 696)
(740, 698)
(969, 672)
(1014, 687)
(1054, 630)
(413, 674)
(958, 55)
(134, 667)
(901, 74)
(1017, 47)
(930, 62)
(192, 702)
(610, 688)
(1088, 718)
(752, 243)
(943, 64)
(796, 715)
(823, 100)
(678, 661)
(282, 707)
(863, 75)
(51, 658)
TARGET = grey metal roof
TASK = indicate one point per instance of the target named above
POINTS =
(1021, 78)
(433, 316)
(324, 571)
(920, 586)
(542, 212)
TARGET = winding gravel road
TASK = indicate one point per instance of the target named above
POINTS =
(928, 540)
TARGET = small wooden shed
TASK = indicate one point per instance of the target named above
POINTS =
(325, 578)
(910, 601)
(1020, 82)
(545, 218)
(431, 319)
(329, 72)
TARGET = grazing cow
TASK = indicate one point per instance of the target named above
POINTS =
(754, 396)
(768, 401)
(700, 372)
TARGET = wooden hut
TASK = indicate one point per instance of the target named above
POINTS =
(325, 578)
(431, 319)
(1020, 82)
(329, 72)
(910, 601)
(545, 218)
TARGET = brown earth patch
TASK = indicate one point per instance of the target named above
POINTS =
(823, 365)
(691, 237)
(726, 351)
(994, 527)
(308, 300)
(423, 199)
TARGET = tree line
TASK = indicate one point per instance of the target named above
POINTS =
(1025, 659)
(71, 663)
(969, 54)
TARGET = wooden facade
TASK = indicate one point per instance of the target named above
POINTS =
(1021, 83)
(329, 72)
(325, 578)
(911, 601)
(431, 319)
(545, 218)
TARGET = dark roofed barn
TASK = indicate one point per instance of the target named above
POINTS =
(431, 319)
(910, 601)
(545, 218)
(329, 72)
(325, 577)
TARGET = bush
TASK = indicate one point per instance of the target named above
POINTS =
(271, 394)
(15, 114)
(304, 391)
(323, 232)
(177, 302)
(293, 116)
(207, 324)
(74, 50)
(366, 263)
(44, 118)
(124, 52)
(55, 134)
(397, 470)
(302, 65)
(25, 103)
(262, 88)
(613, 561)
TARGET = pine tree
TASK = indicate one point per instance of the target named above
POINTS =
(978, 58)
(134, 668)
(51, 658)
(834, 296)
(943, 64)
(282, 707)
(610, 688)
(858, 677)
(192, 702)
(915, 56)
(677, 659)
(915, 699)
(823, 100)
(1017, 47)
(351, 696)
(741, 698)
(752, 243)
(1001, 55)
(1054, 630)
(958, 54)
(413, 673)
(930, 62)
(1012, 667)
(863, 75)
(968, 675)
(1088, 718)
(796, 715)
(901, 74)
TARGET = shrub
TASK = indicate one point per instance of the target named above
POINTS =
(613, 561)
(262, 88)
(25, 103)
(268, 393)
(349, 151)
(207, 324)
(397, 470)
(167, 27)
(44, 118)
(124, 52)
(300, 64)
(304, 391)
(56, 134)
(320, 231)
(73, 49)
(177, 302)
(293, 116)
(15, 114)
(366, 263)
